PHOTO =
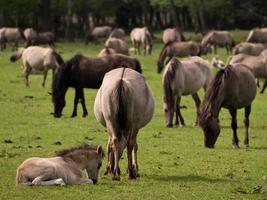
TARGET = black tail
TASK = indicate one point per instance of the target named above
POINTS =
(58, 58)
(138, 67)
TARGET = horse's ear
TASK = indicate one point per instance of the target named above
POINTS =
(99, 150)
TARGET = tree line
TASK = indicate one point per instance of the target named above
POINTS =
(72, 18)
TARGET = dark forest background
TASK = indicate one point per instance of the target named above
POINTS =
(71, 18)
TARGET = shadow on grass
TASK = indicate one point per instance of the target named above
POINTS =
(189, 178)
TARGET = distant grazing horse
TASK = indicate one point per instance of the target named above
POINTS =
(119, 45)
(257, 35)
(124, 104)
(180, 49)
(96, 33)
(218, 38)
(29, 33)
(171, 35)
(258, 64)
(117, 33)
(182, 78)
(10, 35)
(248, 48)
(106, 51)
(64, 168)
(37, 60)
(82, 72)
(232, 88)
(141, 35)
(42, 38)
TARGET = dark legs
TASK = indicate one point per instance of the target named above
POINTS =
(264, 86)
(132, 156)
(246, 123)
(79, 95)
(197, 103)
(178, 113)
(234, 128)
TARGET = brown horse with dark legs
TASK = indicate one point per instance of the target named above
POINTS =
(42, 38)
(82, 72)
(233, 88)
(182, 78)
(123, 104)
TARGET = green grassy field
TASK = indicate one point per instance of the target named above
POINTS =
(173, 162)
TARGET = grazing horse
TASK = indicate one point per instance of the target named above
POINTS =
(96, 33)
(258, 64)
(123, 104)
(257, 35)
(64, 168)
(29, 33)
(232, 88)
(218, 38)
(42, 38)
(82, 72)
(253, 49)
(119, 45)
(10, 35)
(117, 33)
(37, 60)
(180, 49)
(171, 35)
(182, 78)
(141, 35)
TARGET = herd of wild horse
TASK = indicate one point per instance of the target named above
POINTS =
(124, 102)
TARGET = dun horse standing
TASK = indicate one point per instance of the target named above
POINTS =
(233, 88)
(37, 60)
(141, 35)
(181, 78)
(64, 168)
(124, 104)
(82, 72)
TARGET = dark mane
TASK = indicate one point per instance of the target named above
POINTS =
(163, 49)
(214, 95)
(63, 74)
(66, 152)
(167, 80)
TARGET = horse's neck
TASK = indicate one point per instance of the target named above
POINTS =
(163, 55)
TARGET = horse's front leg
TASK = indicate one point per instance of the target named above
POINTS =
(234, 128)
(26, 72)
(197, 103)
(84, 181)
(58, 181)
(246, 122)
(138, 48)
(76, 100)
(178, 111)
(45, 75)
(264, 86)
(85, 112)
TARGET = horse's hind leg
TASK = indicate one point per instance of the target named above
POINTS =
(130, 146)
(264, 86)
(26, 72)
(110, 156)
(179, 112)
(45, 75)
(176, 112)
(234, 128)
(58, 181)
(197, 103)
(46, 174)
(85, 112)
(246, 122)
(135, 163)
(76, 100)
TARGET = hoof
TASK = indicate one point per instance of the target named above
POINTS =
(73, 115)
(84, 115)
(169, 126)
(235, 146)
(116, 178)
(182, 125)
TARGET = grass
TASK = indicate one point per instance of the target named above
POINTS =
(173, 162)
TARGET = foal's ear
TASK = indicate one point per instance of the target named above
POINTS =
(99, 150)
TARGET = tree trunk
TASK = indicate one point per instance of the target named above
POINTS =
(69, 36)
(44, 13)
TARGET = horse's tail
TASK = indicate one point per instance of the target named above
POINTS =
(58, 58)
(138, 67)
(122, 100)
(167, 85)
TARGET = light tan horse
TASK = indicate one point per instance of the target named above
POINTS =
(258, 35)
(171, 35)
(124, 104)
(258, 64)
(29, 33)
(119, 45)
(117, 33)
(180, 49)
(218, 38)
(37, 60)
(106, 51)
(253, 49)
(182, 78)
(64, 168)
(10, 35)
(141, 35)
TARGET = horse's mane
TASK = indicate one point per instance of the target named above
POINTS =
(167, 80)
(163, 51)
(83, 147)
(63, 73)
(214, 95)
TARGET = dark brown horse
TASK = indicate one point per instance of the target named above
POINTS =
(233, 88)
(42, 38)
(82, 72)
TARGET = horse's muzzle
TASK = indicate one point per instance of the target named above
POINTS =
(13, 58)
